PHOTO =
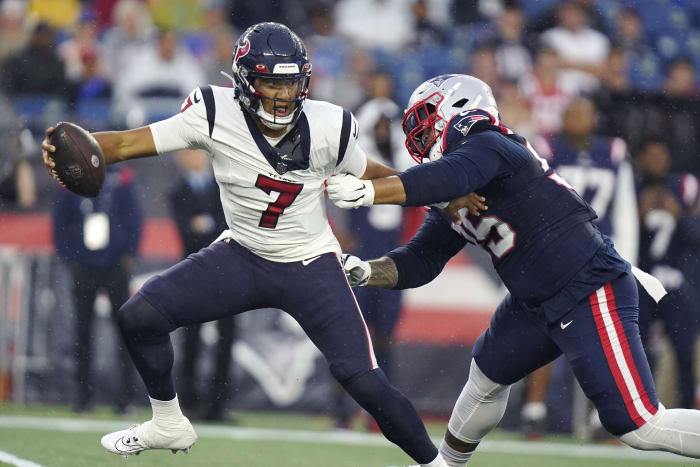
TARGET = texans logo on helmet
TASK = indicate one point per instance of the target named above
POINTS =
(242, 50)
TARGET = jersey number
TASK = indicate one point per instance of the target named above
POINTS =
(288, 193)
(492, 234)
(662, 224)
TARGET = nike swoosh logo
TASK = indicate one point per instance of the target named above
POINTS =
(564, 326)
(308, 261)
(195, 98)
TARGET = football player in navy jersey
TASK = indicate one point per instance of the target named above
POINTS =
(670, 237)
(570, 292)
(271, 151)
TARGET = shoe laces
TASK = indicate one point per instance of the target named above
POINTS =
(133, 435)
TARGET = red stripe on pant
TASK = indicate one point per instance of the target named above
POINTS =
(612, 362)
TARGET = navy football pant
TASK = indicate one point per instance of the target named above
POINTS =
(599, 338)
(225, 279)
(680, 316)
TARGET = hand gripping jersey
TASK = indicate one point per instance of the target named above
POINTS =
(272, 196)
(537, 229)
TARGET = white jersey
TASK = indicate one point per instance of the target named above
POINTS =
(273, 197)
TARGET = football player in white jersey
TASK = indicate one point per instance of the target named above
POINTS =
(272, 151)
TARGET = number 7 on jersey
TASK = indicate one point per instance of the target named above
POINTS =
(288, 193)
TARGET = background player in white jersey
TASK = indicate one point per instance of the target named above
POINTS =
(271, 157)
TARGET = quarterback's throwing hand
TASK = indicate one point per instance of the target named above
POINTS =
(347, 191)
(356, 270)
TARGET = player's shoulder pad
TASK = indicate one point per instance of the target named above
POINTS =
(469, 122)
(199, 109)
(338, 126)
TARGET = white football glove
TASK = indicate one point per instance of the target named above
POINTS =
(347, 191)
(356, 270)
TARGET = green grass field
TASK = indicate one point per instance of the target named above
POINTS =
(50, 436)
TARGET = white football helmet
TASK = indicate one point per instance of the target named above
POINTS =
(434, 103)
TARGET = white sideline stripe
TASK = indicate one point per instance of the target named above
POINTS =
(570, 450)
(11, 459)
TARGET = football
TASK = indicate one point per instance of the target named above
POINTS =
(80, 164)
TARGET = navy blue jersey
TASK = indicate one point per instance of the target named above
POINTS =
(670, 234)
(537, 229)
(593, 173)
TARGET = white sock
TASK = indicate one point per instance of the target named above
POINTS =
(437, 462)
(166, 412)
(672, 430)
(454, 458)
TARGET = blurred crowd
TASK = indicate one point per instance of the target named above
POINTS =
(112, 64)
(124, 63)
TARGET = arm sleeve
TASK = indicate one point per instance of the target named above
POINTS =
(423, 258)
(625, 216)
(190, 129)
(466, 169)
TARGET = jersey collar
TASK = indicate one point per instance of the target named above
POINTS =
(291, 153)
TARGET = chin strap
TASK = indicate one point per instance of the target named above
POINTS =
(228, 76)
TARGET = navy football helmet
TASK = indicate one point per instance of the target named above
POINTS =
(270, 51)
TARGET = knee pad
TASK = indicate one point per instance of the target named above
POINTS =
(138, 318)
(479, 408)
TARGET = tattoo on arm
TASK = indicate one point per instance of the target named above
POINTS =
(384, 273)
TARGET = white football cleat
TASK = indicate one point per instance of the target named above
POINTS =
(148, 435)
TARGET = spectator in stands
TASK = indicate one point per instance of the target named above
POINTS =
(17, 184)
(196, 208)
(98, 239)
(375, 24)
(218, 58)
(670, 233)
(132, 30)
(340, 72)
(629, 33)
(680, 79)
(581, 49)
(546, 93)
(331, 57)
(155, 80)
(82, 45)
(16, 27)
(615, 77)
(371, 231)
(514, 110)
(484, 65)
(36, 69)
(513, 57)
(427, 32)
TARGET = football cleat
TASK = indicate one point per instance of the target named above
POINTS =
(148, 435)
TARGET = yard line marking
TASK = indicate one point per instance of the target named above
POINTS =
(16, 461)
(571, 450)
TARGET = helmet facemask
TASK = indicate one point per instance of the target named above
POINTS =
(423, 127)
(254, 99)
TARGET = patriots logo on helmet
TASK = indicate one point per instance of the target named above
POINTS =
(242, 50)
